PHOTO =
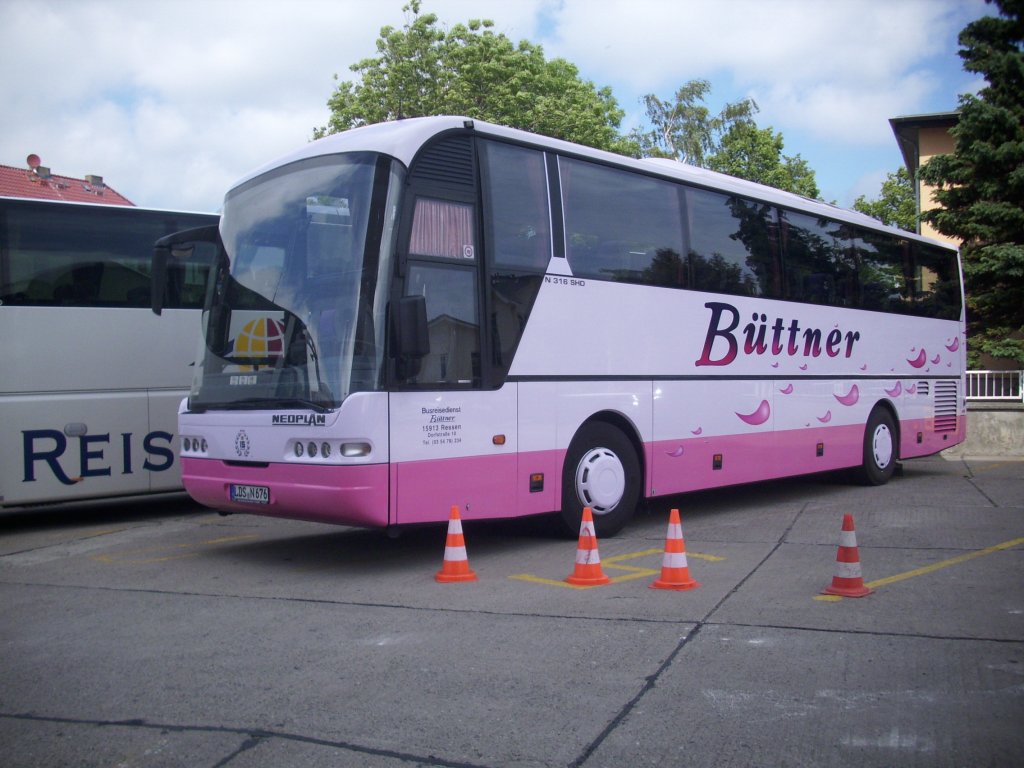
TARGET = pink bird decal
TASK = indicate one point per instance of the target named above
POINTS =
(954, 346)
(849, 398)
(803, 367)
(826, 418)
(920, 360)
(895, 391)
(760, 416)
(697, 431)
(864, 367)
(775, 365)
(787, 390)
(912, 389)
(676, 453)
(936, 359)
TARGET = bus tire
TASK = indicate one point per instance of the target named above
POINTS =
(601, 471)
(881, 448)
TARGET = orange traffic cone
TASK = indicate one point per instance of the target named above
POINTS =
(848, 581)
(456, 565)
(588, 571)
(675, 573)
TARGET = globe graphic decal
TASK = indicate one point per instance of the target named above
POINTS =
(262, 338)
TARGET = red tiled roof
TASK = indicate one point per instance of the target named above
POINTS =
(24, 182)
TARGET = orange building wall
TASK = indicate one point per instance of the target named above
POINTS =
(931, 142)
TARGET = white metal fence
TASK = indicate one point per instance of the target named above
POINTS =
(995, 385)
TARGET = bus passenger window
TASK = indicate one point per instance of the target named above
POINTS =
(733, 245)
(621, 226)
(453, 327)
(516, 197)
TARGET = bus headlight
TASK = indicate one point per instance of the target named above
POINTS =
(355, 450)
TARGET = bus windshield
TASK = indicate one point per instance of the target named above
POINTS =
(295, 313)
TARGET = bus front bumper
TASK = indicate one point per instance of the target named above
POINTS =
(348, 495)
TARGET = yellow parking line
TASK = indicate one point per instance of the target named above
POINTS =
(930, 568)
(614, 563)
(995, 465)
(178, 552)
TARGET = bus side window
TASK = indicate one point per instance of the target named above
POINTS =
(516, 201)
(621, 226)
(733, 244)
(453, 326)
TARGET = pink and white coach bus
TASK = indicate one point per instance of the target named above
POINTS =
(440, 311)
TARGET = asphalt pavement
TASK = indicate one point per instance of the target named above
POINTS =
(153, 632)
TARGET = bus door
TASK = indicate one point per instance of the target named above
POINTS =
(452, 442)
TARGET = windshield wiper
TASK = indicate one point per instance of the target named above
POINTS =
(291, 403)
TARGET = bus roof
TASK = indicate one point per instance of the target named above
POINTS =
(402, 139)
(101, 206)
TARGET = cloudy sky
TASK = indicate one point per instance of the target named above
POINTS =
(171, 101)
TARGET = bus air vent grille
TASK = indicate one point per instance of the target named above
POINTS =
(448, 163)
(945, 406)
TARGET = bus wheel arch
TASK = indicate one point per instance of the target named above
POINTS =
(881, 445)
(603, 470)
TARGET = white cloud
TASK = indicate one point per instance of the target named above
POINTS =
(826, 68)
(173, 100)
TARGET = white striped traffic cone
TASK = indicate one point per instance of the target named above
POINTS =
(456, 565)
(848, 581)
(675, 573)
(588, 571)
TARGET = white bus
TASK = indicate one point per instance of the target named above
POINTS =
(91, 379)
(439, 311)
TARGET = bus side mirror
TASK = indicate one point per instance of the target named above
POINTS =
(168, 251)
(410, 342)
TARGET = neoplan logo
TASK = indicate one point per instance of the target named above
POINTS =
(301, 419)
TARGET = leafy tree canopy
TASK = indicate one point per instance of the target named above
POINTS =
(684, 128)
(421, 69)
(755, 154)
(980, 186)
(896, 204)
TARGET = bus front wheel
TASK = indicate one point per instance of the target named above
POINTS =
(601, 471)
(880, 448)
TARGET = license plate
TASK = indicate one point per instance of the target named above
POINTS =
(250, 494)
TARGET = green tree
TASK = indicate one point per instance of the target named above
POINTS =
(685, 129)
(896, 204)
(755, 154)
(470, 70)
(980, 186)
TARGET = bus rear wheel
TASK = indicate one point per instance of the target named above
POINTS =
(880, 448)
(601, 471)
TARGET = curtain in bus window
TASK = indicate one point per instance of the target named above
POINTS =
(819, 264)
(733, 244)
(443, 229)
(453, 327)
(621, 226)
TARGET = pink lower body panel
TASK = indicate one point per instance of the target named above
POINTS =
(481, 487)
(920, 438)
(354, 495)
(691, 464)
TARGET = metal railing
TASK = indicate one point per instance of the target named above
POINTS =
(995, 385)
